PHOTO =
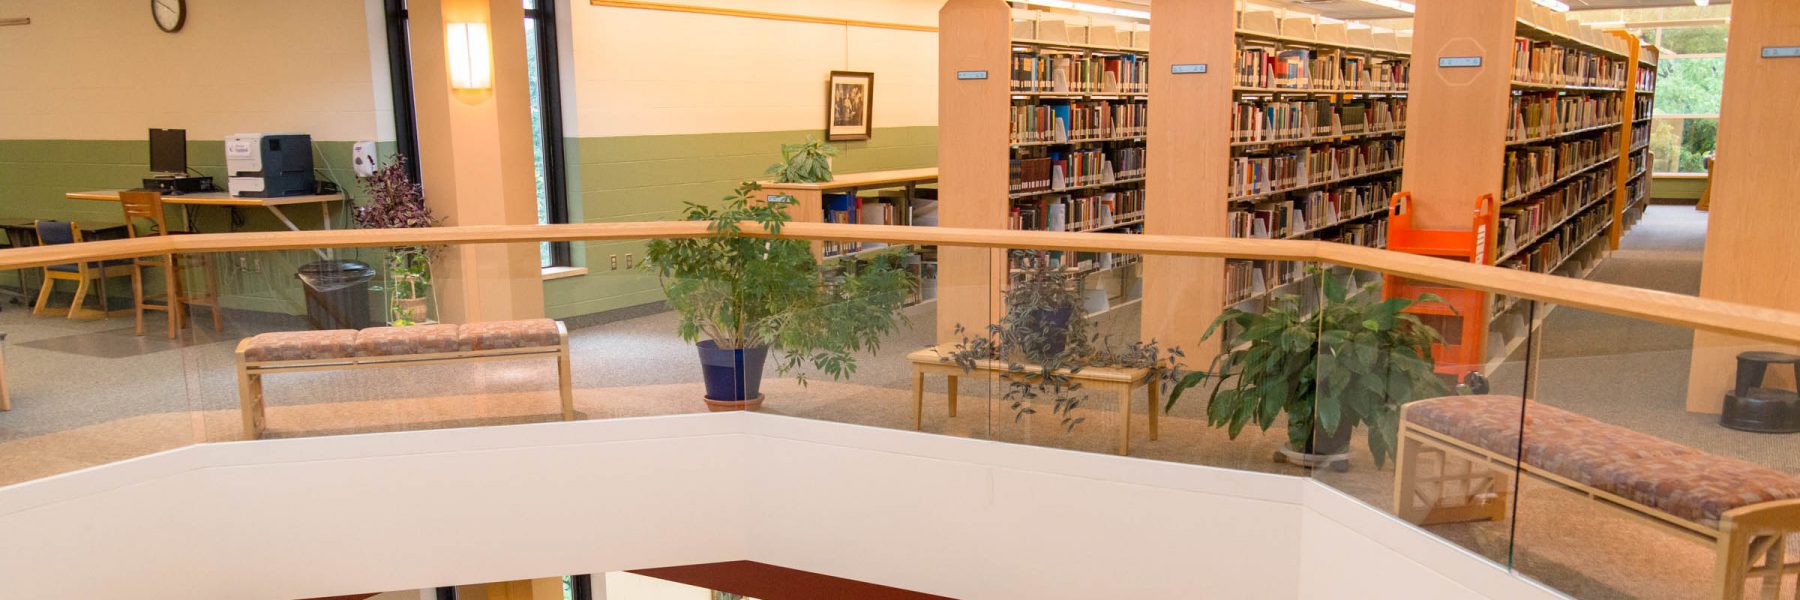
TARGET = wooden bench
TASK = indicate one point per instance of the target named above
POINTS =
(1098, 379)
(297, 351)
(1745, 510)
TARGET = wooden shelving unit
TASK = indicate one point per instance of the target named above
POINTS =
(1043, 124)
(1633, 194)
(1538, 111)
(1301, 90)
(905, 197)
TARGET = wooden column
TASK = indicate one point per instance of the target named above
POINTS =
(973, 36)
(1189, 164)
(1628, 122)
(475, 153)
(1456, 117)
(1752, 245)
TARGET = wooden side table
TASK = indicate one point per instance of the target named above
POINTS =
(1098, 380)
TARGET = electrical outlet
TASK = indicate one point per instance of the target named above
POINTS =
(628, 264)
(615, 262)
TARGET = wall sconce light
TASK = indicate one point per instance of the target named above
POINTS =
(470, 58)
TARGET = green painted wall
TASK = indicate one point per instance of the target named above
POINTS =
(1677, 189)
(649, 178)
(34, 175)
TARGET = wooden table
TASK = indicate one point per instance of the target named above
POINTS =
(273, 205)
(1102, 380)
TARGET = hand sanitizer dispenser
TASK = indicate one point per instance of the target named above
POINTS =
(269, 165)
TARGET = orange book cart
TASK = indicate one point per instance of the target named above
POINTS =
(1462, 318)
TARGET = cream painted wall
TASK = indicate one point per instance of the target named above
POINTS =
(621, 585)
(101, 70)
(650, 72)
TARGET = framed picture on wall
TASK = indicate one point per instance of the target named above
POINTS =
(849, 106)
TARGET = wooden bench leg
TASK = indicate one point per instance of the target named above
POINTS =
(1151, 405)
(1753, 544)
(5, 398)
(250, 403)
(952, 389)
(565, 384)
(1124, 419)
(918, 398)
(1475, 492)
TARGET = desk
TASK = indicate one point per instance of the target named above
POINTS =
(1096, 379)
(223, 199)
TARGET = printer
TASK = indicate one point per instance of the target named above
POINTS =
(269, 165)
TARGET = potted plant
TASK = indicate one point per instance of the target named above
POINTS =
(1353, 361)
(806, 162)
(396, 202)
(1043, 339)
(740, 297)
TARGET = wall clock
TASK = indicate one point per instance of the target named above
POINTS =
(170, 15)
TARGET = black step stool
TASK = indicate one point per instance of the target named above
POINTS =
(1751, 407)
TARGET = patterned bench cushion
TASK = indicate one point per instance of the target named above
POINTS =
(501, 335)
(416, 339)
(1653, 472)
(301, 345)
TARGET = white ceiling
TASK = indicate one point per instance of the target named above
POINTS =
(1598, 4)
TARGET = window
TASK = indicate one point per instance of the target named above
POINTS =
(546, 124)
(406, 126)
(1690, 77)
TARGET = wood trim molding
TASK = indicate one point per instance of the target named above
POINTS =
(1730, 318)
(15, 21)
(757, 14)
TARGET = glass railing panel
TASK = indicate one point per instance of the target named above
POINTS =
(1413, 401)
(1658, 461)
(84, 388)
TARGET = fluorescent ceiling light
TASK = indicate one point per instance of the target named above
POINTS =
(1090, 8)
(1406, 7)
(1558, 6)
(1702, 2)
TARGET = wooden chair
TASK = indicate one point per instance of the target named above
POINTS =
(52, 233)
(147, 205)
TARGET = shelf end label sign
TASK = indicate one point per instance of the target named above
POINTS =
(1781, 52)
(968, 75)
(1455, 62)
(1187, 69)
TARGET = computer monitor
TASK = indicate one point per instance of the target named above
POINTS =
(168, 151)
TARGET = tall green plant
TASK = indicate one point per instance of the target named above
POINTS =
(806, 162)
(748, 292)
(1358, 357)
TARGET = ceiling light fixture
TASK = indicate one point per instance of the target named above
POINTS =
(1406, 7)
(1558, 6)
(1090, 8)
(1702, 2)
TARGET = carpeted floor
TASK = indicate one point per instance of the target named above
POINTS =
(87, 393)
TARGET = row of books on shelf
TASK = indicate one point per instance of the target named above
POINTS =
(1078, 120)
(1246, 279)
(1549, 254)
(1646, 80)
(1532, 168)
(1270, 121)
(1083, 212)
(1638, 160)
(1371, 234)
(1554, 64)
(1061, 170)
(1303, 213)
(1536, 116)
(1643, 110)
(1312, 165)
(1306, 68)
(1076, 263)
(1520, 223)
(1640, 136)
(1072, 73)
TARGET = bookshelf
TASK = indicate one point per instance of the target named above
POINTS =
(906, 197)
(1537, 110)
(1317, 139)
(1043, 120)
(1633, 194)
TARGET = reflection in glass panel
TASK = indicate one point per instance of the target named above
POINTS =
(1682, 145)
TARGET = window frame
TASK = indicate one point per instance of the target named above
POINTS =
(406, 120)
(543, 16)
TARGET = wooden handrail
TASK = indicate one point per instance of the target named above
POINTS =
(1729, 318)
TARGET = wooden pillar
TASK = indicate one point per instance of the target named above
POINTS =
(1752, 248)
(1456, 117)
(475, 154)
(974, 36)
(1189, 158)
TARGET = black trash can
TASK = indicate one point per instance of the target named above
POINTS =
(337, 294)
